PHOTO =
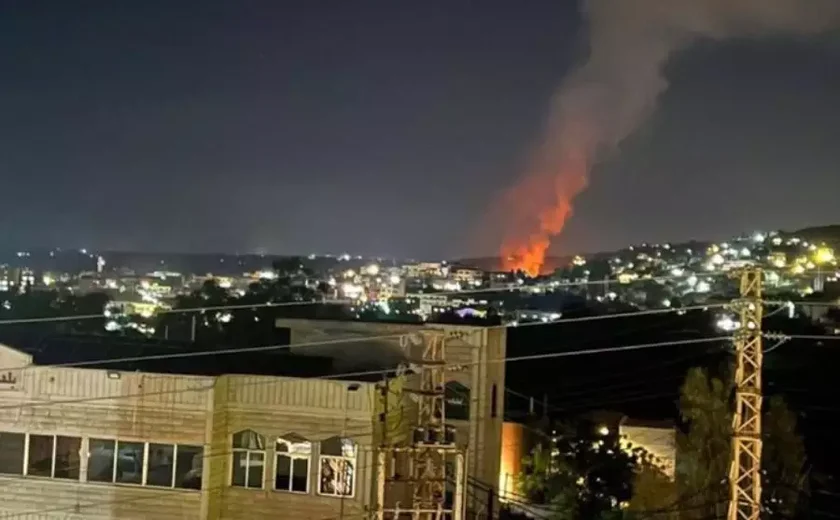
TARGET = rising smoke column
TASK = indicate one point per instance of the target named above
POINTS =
(613, 92)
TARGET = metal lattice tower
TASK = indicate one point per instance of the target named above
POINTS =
(745, 471)
(428, 464)
(433, 444)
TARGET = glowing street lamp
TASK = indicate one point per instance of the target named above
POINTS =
(824, 255)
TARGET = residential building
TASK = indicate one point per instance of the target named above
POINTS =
(467, 275)
(160, 433)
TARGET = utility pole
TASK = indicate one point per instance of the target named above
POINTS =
(432, 446)
(745, 470)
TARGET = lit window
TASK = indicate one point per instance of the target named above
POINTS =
(54, 456)
(248, 459)
(292, 468)
(11, 453)
(337, 467)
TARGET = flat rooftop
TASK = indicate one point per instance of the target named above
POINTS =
(167, 357)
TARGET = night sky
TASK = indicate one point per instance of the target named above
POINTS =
(383, 128)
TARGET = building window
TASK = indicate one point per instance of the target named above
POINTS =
(12, 446)
(337, 467)
(40, 455)
(292, 468)
(67, 457)
(174, 466)
(116, 461)
(189, 466)
(100, 460)
(54, 456)
(457, 401)
(129, 463)
(161, 470)
(248, 459)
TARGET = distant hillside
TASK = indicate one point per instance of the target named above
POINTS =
(828, 234)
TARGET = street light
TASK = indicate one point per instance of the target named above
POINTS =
(824, 255)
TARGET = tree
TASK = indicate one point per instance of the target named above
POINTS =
(49, 304)
(654, 492)
(784, 460)
(551, 482)
(587, 474)
(703, 450)
(243, 325)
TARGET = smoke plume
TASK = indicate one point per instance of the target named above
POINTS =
(612, 93)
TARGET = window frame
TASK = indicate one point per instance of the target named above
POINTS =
(173, 475)
(84, 455)
(175, 466)
(343, 458)
(115, 460)
(247, 452)
(292, 457)
(27, 450)
(24, 456)
(143, 465)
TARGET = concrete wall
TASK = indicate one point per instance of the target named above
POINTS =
(475, 356)
(76, 402)
(363, 354)
(273, 407)
(514, 451)
(174, 409)
(659, 441)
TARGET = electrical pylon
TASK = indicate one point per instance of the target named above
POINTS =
(433, 444)
(745, 471)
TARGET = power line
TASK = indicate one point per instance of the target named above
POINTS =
(782, 337)
(338, 341)
(18, 321)
(803, 303)
(380, 372)
(598, 317)
(346, 302)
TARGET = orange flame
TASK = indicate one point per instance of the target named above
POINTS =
(541, 205)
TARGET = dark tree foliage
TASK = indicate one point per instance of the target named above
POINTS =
(243, 325)
(584, 474)
(51, 304)
(589, 475)
(704, 449)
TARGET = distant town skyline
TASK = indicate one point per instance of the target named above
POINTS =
(379, 129)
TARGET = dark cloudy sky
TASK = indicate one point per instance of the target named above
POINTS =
(378, 128)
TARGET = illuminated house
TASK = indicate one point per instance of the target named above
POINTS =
(211, 437)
